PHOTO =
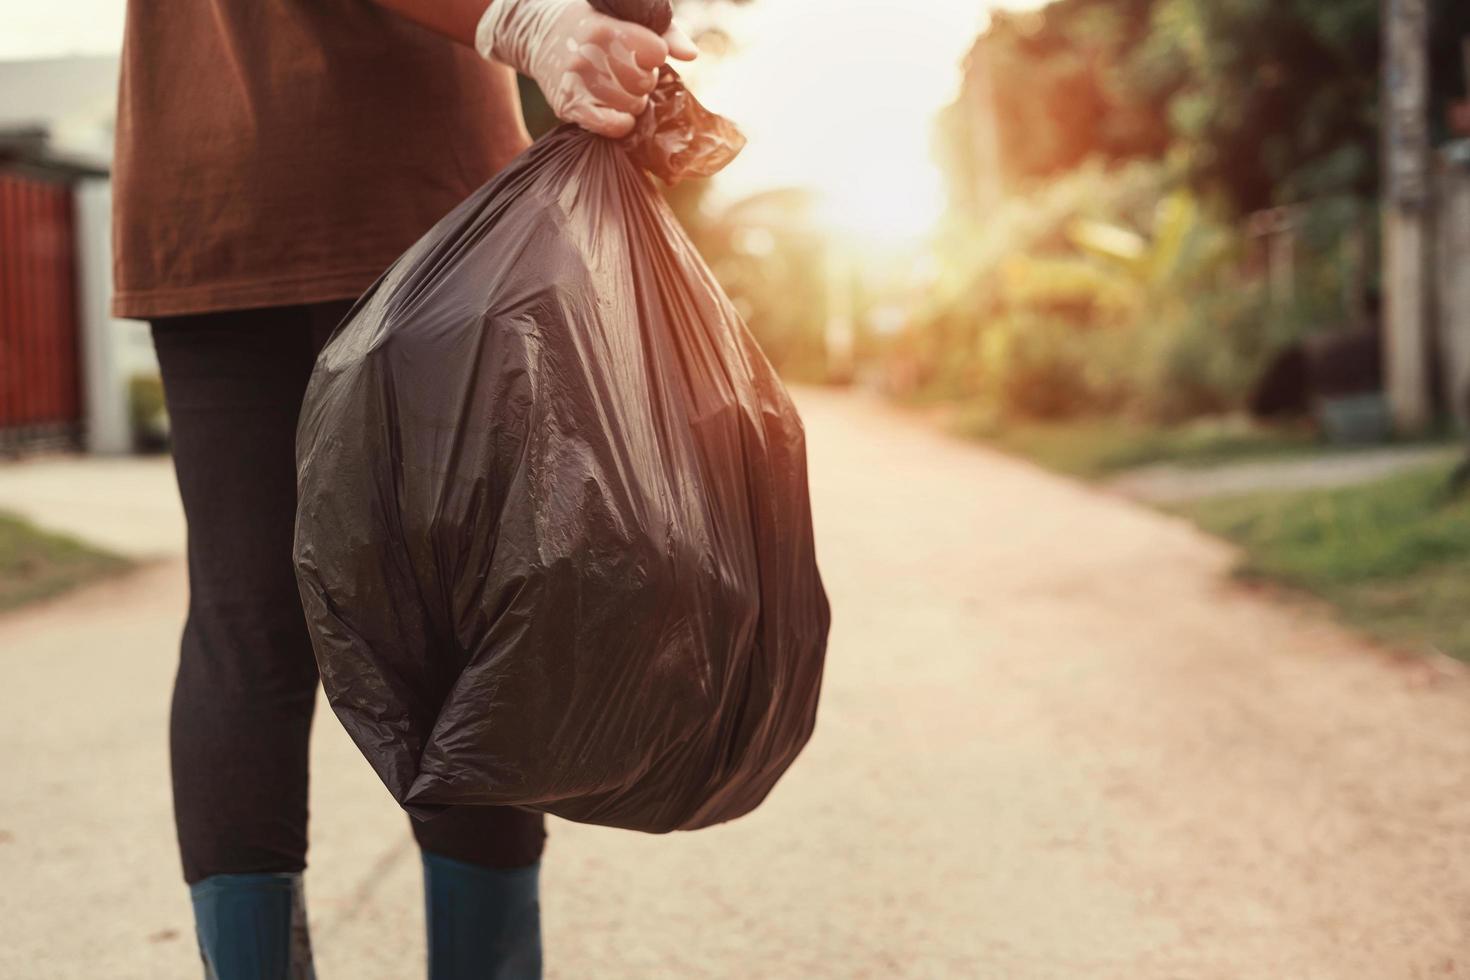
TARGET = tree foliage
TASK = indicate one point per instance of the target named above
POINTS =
(1255, 102)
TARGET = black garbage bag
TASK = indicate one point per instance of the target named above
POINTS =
(553, 539)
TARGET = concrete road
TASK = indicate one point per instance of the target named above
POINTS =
(128, 505)
(1055, 742)
(1170, 483)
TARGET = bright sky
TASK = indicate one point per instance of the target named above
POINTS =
(834, 94)
(29, 29)
(841, 95)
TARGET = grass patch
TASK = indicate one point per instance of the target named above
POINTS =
(37, 564)
(1392, 555)
(1102, 447)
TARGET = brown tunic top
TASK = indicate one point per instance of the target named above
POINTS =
(275, 152)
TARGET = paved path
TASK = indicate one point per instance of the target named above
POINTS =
(128, 505)
(1056, 742)
(1168, 483)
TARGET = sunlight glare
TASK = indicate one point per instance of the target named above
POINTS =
(840, 96)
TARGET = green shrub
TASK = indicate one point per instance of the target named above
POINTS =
(1202, 359)
(1042, 367)
(1112, 292)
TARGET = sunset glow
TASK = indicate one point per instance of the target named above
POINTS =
(841, 96)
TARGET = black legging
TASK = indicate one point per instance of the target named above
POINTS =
(247, 679)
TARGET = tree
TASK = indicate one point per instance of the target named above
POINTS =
(1273, 101)
(1058, 83)
(1257, 102)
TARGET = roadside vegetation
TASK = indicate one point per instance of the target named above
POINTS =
(1187, 202)
(37, 564)
(1390, 555)
(1161, 247)
(1098, 448)
(1179, 200)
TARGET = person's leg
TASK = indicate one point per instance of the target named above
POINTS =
(481, 864)
(246, 683)
(481, 895)
(324, 318)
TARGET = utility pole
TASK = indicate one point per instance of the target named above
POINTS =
(1405, 212)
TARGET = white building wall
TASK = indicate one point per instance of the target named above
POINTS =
(113, 351)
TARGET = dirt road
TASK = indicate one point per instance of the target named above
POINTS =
(1055, 742)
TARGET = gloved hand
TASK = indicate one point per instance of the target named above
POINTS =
(595, 70)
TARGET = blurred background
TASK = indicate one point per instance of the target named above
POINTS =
(1110, 235)
(1204, 260)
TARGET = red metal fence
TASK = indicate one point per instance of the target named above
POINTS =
(40, 384)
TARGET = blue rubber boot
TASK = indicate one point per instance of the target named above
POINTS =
(483, 923)
(252, 927)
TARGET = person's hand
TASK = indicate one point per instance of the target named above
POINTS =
(595, 71)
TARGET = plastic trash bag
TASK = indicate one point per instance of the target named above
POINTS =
(553, 537)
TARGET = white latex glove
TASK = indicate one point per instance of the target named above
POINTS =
(595, 70)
